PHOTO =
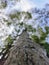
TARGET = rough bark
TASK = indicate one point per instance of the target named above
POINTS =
(27, 52)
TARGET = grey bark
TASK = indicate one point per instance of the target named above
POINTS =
(27, 52)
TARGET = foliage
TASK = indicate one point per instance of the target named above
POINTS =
(35, 38)
(47, 29)
(8, 23)
(41, 37)
(3, 4)
(46, 46)
(29, 15)
(41, 40)
(9, 40)
(16, 15)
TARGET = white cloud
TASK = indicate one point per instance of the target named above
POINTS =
(23, 5)
(26, 5)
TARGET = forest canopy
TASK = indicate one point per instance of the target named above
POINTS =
(36, 21)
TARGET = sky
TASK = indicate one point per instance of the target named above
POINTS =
(28, 4)
(25, 5)
(38, 3)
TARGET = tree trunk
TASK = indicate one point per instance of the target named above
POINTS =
(27, 52)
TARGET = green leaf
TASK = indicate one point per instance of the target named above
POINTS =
(9, 40)
(29, 28)
(47, 29)
(29, 15)
(43, 36)
(4, 4)
(35, 38)
(9, 23)
(21, 23)
(46, 46)
(15, 15)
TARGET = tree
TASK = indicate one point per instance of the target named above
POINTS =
(27, 52)
(19, 19)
